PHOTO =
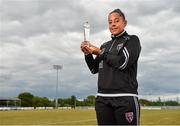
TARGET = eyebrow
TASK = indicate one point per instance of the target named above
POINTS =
(114, 19)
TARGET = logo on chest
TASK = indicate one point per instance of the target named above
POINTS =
(119, 46)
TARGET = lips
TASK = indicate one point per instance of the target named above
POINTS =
(114, 29)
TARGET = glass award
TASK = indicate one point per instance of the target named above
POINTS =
(86, 28)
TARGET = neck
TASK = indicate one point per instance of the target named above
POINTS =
(118, 35)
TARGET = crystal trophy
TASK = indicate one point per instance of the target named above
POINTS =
(86, 27)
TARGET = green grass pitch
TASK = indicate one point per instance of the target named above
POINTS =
(80, 117)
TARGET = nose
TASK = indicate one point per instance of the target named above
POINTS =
(113, 24)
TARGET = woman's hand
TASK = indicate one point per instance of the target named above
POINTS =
(88, 48)
(84, 48)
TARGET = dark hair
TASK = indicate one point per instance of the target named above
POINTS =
(119, 12)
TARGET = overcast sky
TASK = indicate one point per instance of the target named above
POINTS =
(36, 34)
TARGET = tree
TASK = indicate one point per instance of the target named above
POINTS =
(37, 102)
(26, 99)
(171, 103)
(73, 101)
(145, 102)
(90, 100)
(46, 102)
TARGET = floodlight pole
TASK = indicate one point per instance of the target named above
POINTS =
(57, 67)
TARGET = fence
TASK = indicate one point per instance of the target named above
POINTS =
(82, 107)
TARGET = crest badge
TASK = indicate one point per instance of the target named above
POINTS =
(129, 116)
(119, 46)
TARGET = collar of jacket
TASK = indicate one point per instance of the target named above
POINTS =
(119, 35)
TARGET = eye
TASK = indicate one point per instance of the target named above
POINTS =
(116, 21)
(110, 22)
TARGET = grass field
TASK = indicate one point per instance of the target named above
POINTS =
(80, 117)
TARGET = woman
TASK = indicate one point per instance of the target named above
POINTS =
(116, 62)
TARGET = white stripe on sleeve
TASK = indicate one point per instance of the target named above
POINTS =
(126, 54)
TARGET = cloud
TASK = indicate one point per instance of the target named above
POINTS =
(37, 34)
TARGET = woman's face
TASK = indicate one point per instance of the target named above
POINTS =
(116, 23)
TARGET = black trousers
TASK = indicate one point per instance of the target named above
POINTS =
(123, 110)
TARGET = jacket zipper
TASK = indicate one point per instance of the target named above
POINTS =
(111, 45)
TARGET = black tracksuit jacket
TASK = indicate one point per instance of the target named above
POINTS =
(117, 65)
